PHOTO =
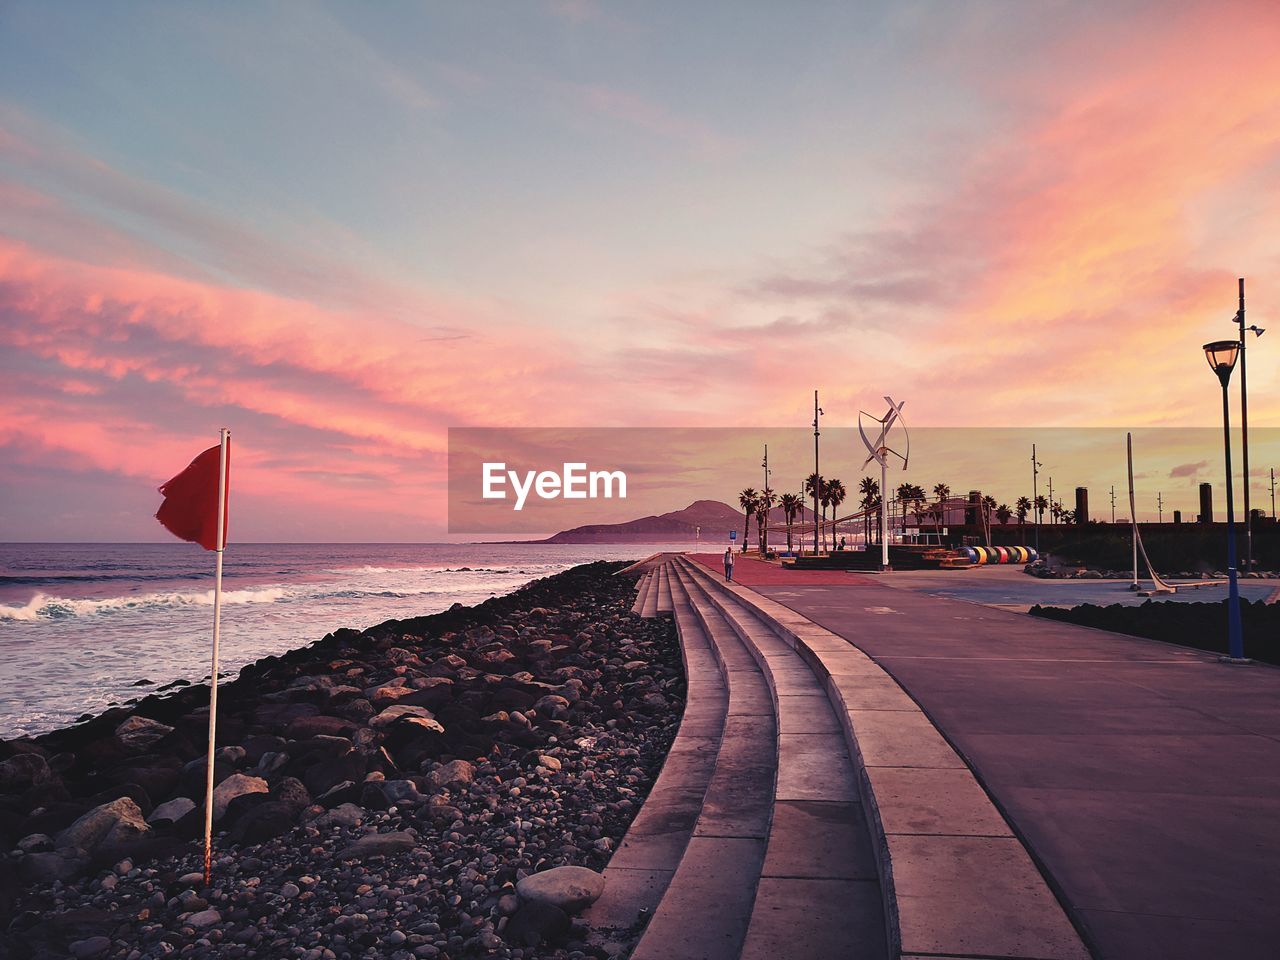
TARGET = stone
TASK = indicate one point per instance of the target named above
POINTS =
(109, 825)
(64, 865)
(92, 947)
(535, 922)
(139, 734)
(320, 725)
(343, 815)
(553, 706)
(291, 791)
(236, 785)
(452, 775)
(36, 843)
(569, 888)
(172, 810)
(290, 890)
(379, 845)
(205, 918)
(395, 712)
(22, 771)
(264, 822)
(388, 793)
(550, 762)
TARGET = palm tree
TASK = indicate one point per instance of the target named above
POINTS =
(764, 503)
(941, 491)
(1041, 505)
(903, 496)
(836, 494)
(747, 501)
(1004, 514)
(869, 487)
(814, 487)
(792, 504)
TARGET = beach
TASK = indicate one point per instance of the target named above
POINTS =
(380, 792)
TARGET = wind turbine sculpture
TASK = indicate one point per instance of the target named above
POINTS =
(880, 451)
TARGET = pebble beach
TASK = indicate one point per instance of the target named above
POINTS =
(445, 786)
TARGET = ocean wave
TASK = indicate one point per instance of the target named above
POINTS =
(44, 607)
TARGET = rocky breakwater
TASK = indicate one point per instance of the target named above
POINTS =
(443, 787)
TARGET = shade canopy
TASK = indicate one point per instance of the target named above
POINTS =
(1221, 355)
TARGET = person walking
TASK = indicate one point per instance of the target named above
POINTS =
(728, 564)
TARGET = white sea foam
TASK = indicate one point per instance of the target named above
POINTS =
(42, 606)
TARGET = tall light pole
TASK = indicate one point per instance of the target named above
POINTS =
(1035, 493)
(765, 494)
(1052, 517)
(1273, 493)
(1221, 355)
(817, 412)
(1244, 429)
(1160, 505)
(1113, 503)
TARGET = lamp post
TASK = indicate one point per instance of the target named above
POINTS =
(817, 412)
(1244, 428)
(765, 494)
(1035, 494)
(1221, 355)
(1113, 503)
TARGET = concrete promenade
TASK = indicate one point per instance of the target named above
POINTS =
(1144, 778)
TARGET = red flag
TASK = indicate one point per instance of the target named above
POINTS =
(190, 508)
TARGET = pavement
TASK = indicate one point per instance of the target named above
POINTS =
(1143, 777)
(752, 573)
(1009, 587)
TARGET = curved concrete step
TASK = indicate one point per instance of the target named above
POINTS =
(819, 893)
(706, 908)
(664, 590)
(642, 593)
(641, 869)
(957, 882)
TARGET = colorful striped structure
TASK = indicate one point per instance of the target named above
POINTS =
(992, 555)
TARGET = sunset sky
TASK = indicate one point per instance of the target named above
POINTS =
(340, 229)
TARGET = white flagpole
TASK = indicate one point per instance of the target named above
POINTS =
(223, 438)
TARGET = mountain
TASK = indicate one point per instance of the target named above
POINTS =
(715, 518)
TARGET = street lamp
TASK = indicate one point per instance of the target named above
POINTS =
(817, 412)
(1257, 331)
(1221, 355)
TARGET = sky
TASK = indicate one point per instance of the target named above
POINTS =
(342, 229)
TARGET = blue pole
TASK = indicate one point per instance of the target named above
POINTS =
(1235, 632)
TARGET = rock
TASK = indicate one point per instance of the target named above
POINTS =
(290, 890)
(550, 762)
(569, 888)
(325, 775)
(379, 845)
(205, 918)
(393, 713)
(382, 794)
(23, 771)
(64, 865)
(535, 922)
(138, 734)
(452, 775)
(264, 822)
(319, 725)
(552, 706)
(236, 785)
(92, 947)
(291, 791)
(173, 810)
(36, 843)
(109, 825)
(343, 815)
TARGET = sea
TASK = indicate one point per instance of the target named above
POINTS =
(82, 626)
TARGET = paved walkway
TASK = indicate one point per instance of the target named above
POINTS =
(753, 573)
(1145, 778)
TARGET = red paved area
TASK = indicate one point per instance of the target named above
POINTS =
(757, 573)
